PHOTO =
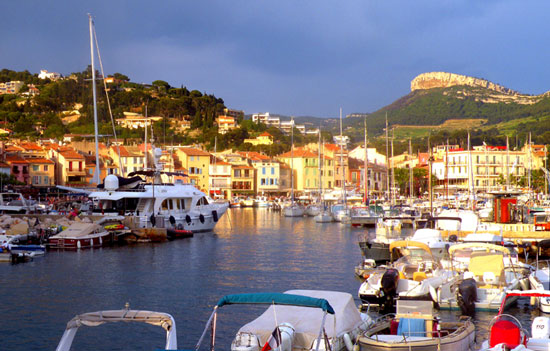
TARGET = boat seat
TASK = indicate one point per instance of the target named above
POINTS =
(419, 276)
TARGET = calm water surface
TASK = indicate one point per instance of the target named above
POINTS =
(251, 250)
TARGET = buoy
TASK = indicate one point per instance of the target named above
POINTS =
(348, 342)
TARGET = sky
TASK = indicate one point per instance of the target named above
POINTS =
(299, 57)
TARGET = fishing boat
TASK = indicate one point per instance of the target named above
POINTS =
(417, 275)
(415, 328)
(93, 319)
(485, 279)
(81, 235)
(295, 320)
(507, 333)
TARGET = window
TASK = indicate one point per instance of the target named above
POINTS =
(263, 170)
(272, 170)
(45, 168)
(35, 168)
(262, 181)
(70, 166)
(46, 180)
(164, 205)
(192, 158)
(80, 166)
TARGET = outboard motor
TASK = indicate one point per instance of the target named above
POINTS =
(467, 297)
(389, 289)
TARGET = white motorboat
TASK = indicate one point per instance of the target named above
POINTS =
(415, 276)
(485, 280)
(363, 216)
(415, 328)
(16, 203)
(314, 209)
(261, 201)
(507, 333)
(539, 279)
(297, 320)
(178, 206)
(340, 213)
(94, 319)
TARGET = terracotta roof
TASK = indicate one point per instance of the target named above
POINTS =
(4, 165)
(242, 167)
(11, 148)
(266, 134)
(68, 152)
(189, 151)
(299, 153)
(28, 146)
(40, 160)
(16, 159)
(332, 147)
(254, 155)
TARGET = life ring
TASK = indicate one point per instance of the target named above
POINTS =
(188, 219)
(201, 218)
(215, 215)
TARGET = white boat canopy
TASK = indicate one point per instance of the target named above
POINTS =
(94, 319)
(305, 320)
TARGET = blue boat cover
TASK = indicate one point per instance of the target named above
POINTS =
(411, 327)
(277, 299)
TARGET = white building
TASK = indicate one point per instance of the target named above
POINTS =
(373, 155)
(44, 74)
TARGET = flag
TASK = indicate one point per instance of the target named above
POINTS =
(274, 340)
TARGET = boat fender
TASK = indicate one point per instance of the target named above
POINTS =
(172, 221)
(201, 218)
(348, 342)
(153, 220)
(215, 215)
(180, 226)
(100, 241)
(188, 219)
(78, 244)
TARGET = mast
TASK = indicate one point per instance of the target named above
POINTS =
(447, 170)
(292, 160)
(145, 121)
(96, 176)
(342, 163)
(507, 164)
(530, 166)
(320, 167)
(411, 191)
(387, 158)
(392, 194)
(430, 175)
(366, 167)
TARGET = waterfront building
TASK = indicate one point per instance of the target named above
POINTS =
(485, 168)
(70, 166)
(197, 164)
(372, 155)
(263, 139)
(19, 168)
(242, 180)
(131, 158)
(41, 172)
(220, 178)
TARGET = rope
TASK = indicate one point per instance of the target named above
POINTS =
(108, 103)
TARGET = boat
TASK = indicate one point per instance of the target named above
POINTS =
(507, 333)
(485, 278)
(314, 209)
(261, 201)
(363, 216)
(247, 202)
(31, 250)
(15, 203)
(299, 319)
(539, 279)
(417, 275)
(415, 328)
(324, 216)
(81, 235)
(293, 209)
(93, 319)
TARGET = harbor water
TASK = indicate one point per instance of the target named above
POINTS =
(251, 250)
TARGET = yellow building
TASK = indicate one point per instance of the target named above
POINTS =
(263, 139)
(305, 165)
(70, 166)
(197, 164)
(131, 157)
(41, 172)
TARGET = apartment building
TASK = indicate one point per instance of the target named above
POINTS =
(12, 87)
(225, 124)
(197, 163)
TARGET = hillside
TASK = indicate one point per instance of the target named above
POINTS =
(438, 96)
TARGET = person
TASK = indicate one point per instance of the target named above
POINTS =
(73, 213)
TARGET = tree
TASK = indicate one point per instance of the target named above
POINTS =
(121, 77)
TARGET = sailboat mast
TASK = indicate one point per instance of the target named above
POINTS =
(342, 163)
(387, 158)
(320, 166)
(392, 170)
(366, 167)
(292, 160)
(96, 176)
(411, 191)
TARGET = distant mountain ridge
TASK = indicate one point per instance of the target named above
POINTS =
(431, 80)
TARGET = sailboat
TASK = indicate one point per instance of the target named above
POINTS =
(293, 209)
(175, 208)
(324, 216)
(315, 208)
(341, 211)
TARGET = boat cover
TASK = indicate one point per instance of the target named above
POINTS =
(78, 230)
(277, 299)
(123, 181)
(93, 319)
(307, 321)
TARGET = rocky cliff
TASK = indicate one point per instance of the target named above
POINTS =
(444, 80)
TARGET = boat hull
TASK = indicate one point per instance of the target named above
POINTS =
(379, 252)
(81, 243)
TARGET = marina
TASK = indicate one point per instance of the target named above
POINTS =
(251, 250)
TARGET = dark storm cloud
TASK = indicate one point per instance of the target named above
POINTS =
(292, 57)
